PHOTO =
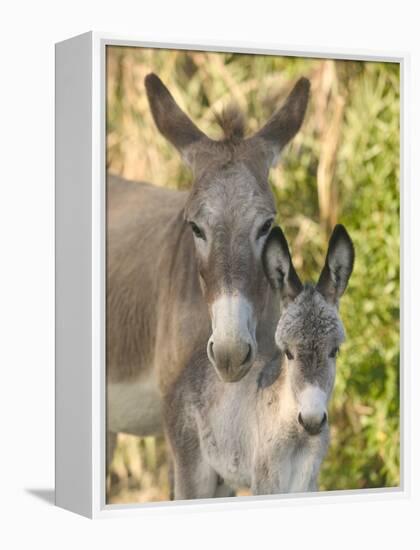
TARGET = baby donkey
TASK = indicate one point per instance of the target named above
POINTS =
(269, 431)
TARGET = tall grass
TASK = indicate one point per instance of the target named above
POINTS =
(342, 166)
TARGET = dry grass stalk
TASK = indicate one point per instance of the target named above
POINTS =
(329, 139)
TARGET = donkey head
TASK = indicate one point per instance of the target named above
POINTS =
(310, 331)
(230, 210)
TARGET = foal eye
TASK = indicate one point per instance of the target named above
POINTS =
(197, 231)
(288, 354)
(334, 353)
(264, 229)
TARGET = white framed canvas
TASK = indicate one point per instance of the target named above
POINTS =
(230, 242)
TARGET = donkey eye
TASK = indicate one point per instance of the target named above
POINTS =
(265, 228)
(334, 353)
(197, 231)
(288, 354)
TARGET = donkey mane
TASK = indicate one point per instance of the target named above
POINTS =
(232, 122)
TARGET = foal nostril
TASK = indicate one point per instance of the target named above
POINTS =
(300, 420)
(312, 428)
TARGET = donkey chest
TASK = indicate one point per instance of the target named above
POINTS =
(227, 445)
(244, 441)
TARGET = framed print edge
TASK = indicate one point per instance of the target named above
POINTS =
(73, 266)
(80, 310)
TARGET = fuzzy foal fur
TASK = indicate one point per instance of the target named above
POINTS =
(267, 432)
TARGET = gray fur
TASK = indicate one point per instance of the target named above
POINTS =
(249, 433)
(162, 281)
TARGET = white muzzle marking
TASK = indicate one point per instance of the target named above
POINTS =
(312, 404)
(232, 345)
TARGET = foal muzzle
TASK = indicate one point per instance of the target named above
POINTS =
(312, 427)
(312, 414)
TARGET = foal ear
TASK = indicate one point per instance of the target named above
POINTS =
(278, 266)
(338, 265)
(285, 122)
(171, 121)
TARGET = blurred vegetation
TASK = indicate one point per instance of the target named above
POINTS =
(342, 166)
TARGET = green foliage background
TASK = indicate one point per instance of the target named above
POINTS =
(342, 166)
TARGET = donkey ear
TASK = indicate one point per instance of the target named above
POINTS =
(278, 266)
(338, 266)
(285, 122)
(171, 121)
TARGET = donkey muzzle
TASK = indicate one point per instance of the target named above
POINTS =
(312, 426)
(232, 347)
(312, 414)
(231, 364)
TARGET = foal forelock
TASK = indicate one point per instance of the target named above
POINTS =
(310, 320)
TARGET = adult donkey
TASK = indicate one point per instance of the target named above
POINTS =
(184, 269)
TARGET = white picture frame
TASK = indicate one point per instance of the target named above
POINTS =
(80, 278)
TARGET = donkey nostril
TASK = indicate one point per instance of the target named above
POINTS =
(300, 420)
(211, 350)
(248, 355)
(312, 428)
